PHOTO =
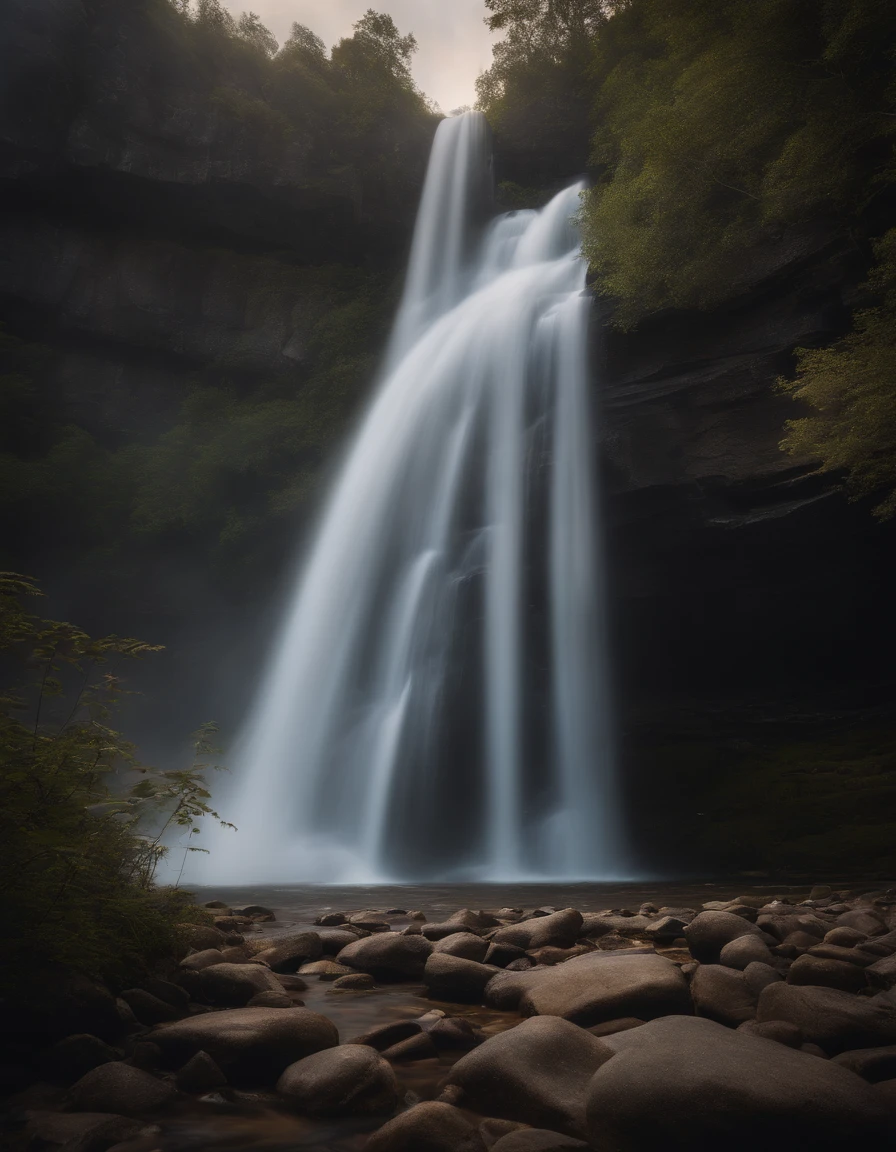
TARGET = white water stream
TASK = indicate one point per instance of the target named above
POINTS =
(436, 705)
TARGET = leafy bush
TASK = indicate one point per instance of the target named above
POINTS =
(851, 385)
(79, 840)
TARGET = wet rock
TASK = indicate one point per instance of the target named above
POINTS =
(148, 1009)
(351, 1080)
(708, 933)
(827, 973)
(196, 961)
(743, 951)
(594, 924)
(121, 1089)
(451, 978)
(273, 1000)
(522, 964)
(551, 955)
(388, 1034)
(80, 1132)
(233, 985)
(466, 945)
(333, 940)
(356, 982)
(537, 1072)
(538, 1140)
(252, 1046)
(611, 1027)
(680, 1083)
(882, 973)
(845, 937)
(879, 945)
(419, 1047)
(169, 993)
(864, 921)
(256, 912)
(500, 955)
(325, 970)
(200, 937)
(429, 1127)
(559, 930)
(292, 983)
(758, 976)
(836, 1021)
(666, 929)
(605, 986)
(453, 1033)
(820, 892)
(75, 1056)
(332, 919)
(388, 956)
(200, 1074)
(722, 994)
(872, 1064)
(778, 1030)
(289, 955)
(845, 955)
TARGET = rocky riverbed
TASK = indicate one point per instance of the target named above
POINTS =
(767, 1020)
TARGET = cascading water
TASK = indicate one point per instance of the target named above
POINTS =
(437, 702)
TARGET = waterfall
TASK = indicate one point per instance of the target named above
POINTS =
(437, 704)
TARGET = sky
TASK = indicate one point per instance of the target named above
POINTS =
(454, 43)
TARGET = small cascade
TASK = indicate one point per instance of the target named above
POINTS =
(437, 706)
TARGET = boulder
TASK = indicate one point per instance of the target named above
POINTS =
(200, 937)
(233, 985)
(758, 976)
(167, 992)
(449, 977)
(537, 1072)
(466, 945)
(666, 929)
(274, 1000)
(78, 1132)
(333, 940)
(722, 994)
(148, 1009)
(386, 1035)
(326, 970)
(252, 1046)
(836, 1021)
(419, 1047)
(844, 955)
(196, 961)
(778, 1030)
(682, 1084)
(290, 954)
(120, 1089)
(864, 921)
(845, 937)
(538, 1140)
(872, 1064)
(200, 1074)
(560, 930)
(430, 1127)
(357, 982)
(332, 919)
(743, 951)
(827, 973)
(708, 933)
(75, 1056)
(605, 986)
(351, 1080)
(388, 956)
(882, 973)
(453, 1033)
(503, 954)
(292, 983)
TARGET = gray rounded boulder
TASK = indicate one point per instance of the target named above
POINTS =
(708, 933)
(834, 1020)
(429, 1127)
(120, 1089)
(387, 956)
(684, 1083)
(351, 1080)
(252, 1046)
(455, 979)
(233, 985)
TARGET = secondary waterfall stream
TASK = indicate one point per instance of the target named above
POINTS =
(437, 703)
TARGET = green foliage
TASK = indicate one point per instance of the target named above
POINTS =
(722, 123)
(76, 858)
(851, 387)
(536, 94)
